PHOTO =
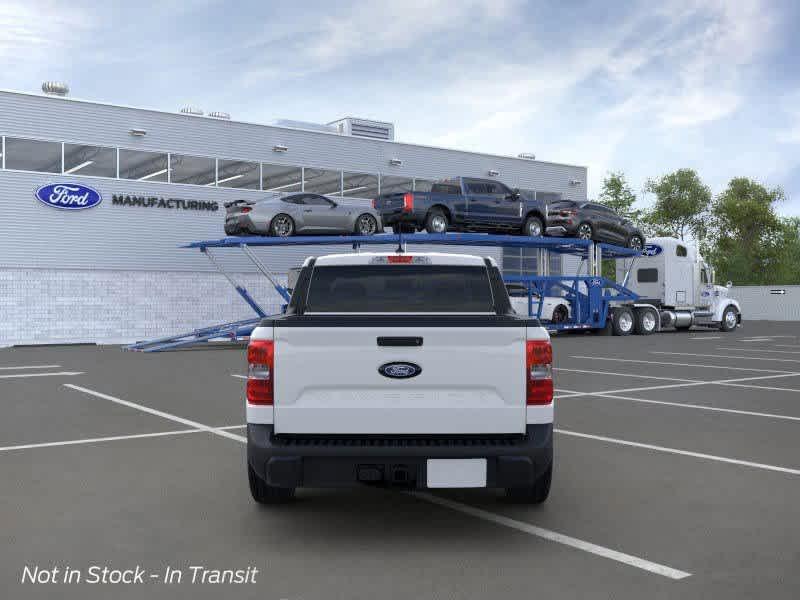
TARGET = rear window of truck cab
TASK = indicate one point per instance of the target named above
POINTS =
(400, 288)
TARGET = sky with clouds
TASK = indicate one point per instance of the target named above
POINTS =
(640, 87)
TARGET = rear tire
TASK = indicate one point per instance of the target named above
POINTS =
(622, 322)
(281, 225)
(635, 242)
(560, 314)
(263, 493)
(730, 319)
(585, 231)
(436, 222)
(646, 321)
(535, 494)
(366, 224)
(533, 227)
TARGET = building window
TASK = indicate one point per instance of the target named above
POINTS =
(680, 251)
(280, 178)
(238, 174)
(396, 185)
(33, 155)
(360, 185)
(323, 181)
(195, 170)
(144, 166)
(90, 160)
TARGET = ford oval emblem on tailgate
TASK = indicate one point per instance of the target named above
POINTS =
(399, 370)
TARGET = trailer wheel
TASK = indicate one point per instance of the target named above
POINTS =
(730, 319)
(622, 321)
(646, 321)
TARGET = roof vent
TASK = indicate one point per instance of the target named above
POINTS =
(55, 88)
(216, 114)
(192, 110)
(376, 130)
(527, 155)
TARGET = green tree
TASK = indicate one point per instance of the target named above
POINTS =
(618, 195)
(749, 243)
(681, 205)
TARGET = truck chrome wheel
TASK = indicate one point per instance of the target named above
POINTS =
(584, 231)
(625, 321)
(366, 225)
(729, 319)
(533, 227)
(649, 320)
(439, 224)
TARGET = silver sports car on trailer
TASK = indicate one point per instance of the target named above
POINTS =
(301, 213)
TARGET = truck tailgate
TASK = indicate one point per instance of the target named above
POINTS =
(327, 380)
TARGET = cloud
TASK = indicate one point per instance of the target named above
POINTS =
(31, 34)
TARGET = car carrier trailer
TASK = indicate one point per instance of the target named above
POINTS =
(596, 303)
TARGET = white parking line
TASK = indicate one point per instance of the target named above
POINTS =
(748, 413)
(711, 337)
(631, 375)
(786, 345)
(712, 457)
(113, 438)
(732, 382)
(238, 376)
(554, 536)
(21, 375)
(158, 413)
(760, 350)
(677, 364)
(30, 367)
(792, 360)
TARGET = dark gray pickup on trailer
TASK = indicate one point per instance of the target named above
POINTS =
(464, 204)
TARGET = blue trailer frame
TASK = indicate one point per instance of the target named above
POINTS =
(590, 296)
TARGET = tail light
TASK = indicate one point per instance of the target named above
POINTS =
(408, 202)
(402, 259)
(261, 372)
(539, 372)
(246, 209)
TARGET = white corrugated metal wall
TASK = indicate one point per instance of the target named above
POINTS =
(768, 303)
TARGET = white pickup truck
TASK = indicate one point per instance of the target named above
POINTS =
(399, 369)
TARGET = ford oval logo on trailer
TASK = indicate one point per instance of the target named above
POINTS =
(399, 370)
(652, 250)
(68, 196)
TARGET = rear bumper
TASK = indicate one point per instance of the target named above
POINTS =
(346, 461)
(398, 216)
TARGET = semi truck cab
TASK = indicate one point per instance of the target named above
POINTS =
(672, 276)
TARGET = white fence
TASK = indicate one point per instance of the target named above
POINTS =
(768, 302)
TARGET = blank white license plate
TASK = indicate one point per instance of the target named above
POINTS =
(456, 472)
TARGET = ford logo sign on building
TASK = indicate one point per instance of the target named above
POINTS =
(399, 370)
(68, 196)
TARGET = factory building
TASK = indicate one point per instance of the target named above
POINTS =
(109, 268)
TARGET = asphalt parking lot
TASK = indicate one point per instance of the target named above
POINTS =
(677, 475)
